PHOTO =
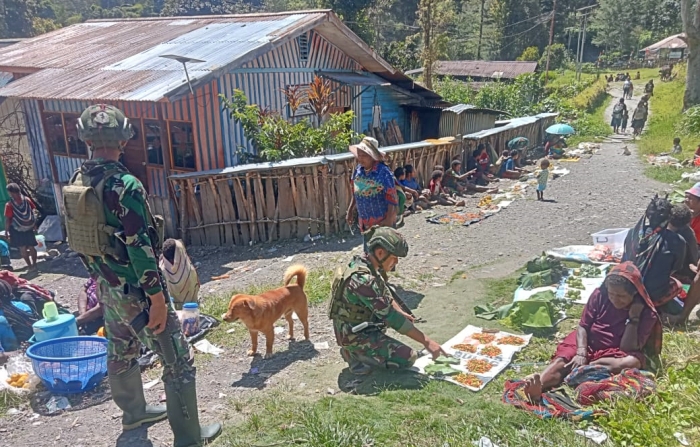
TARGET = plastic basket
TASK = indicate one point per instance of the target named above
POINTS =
(71, 364)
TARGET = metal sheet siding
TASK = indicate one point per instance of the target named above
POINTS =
(263, 78)
(157, 183)
(37, 141)
(66, 166)
(390, 101)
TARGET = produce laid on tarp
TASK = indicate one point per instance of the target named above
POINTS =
(476, 356)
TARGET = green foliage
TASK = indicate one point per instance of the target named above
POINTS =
(403, 54)
(690, 124)
(529, 54)
(275, 138)
(558, 57)
(590, 97)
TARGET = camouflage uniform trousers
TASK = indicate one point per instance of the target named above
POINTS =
(374, 348)
(124, 345)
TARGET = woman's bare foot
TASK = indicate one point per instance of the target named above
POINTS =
(533, 388)
(460, 203)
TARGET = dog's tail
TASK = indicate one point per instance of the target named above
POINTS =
(297, 270)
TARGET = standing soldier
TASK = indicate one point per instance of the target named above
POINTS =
(361, 294)
(111, 226)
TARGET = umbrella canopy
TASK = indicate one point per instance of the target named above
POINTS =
(560, 129)
(518, 143)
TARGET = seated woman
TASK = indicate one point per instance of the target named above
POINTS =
(480, 164)
(555, 147)
(617, 322)
(679, 223)
(508, 169)
(658, 253)
(90, 312)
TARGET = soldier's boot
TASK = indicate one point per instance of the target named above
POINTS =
(127, 393)
(359, 369)
(183, 417)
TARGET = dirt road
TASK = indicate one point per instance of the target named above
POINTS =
(606, 190)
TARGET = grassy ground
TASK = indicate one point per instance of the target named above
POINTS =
(401, 409)
(592, 127)
(666, 112)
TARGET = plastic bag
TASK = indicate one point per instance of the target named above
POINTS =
(18, 365)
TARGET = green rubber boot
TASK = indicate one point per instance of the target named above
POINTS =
(184, 417)
(127, 393)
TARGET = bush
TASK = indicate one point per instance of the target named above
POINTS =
(529, 54)
(589, 98)
(690, 123)
(559, 56)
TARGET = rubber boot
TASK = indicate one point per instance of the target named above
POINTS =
(186, 428)
(127, 393)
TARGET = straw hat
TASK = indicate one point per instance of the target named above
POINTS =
(370, 146)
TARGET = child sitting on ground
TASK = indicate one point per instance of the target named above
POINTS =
(542, 178)
(508, 169)
(179, 273)
(677, 149)
(438, 193)
(405, 199)
(410, 186)
(463, 181)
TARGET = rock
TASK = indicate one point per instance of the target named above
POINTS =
(330, 391)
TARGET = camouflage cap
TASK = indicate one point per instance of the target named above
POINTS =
(389, 239)
(104, 126)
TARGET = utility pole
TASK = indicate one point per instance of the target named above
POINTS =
(481, 30)
(551, 38)
(583, 46)
(588, 10)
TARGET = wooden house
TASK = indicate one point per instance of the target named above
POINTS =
(120, 62)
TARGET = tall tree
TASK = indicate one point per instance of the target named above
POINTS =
(17, 17)
(614, 25)
(434, 16)
(690, 12)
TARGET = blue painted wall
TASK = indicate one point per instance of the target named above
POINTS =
(390, 100)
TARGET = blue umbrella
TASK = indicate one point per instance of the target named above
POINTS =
(560, 129)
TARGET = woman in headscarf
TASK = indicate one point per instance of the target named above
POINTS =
(19, 224)
(618, 322)
(658, 253)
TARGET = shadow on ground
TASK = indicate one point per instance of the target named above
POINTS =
(380, 380)
(262, 369)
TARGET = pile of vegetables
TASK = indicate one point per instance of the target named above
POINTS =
(441, 367)
(575, 283)
(573, 294)
(588, 271)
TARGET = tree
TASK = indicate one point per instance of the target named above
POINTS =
(434, 16)
(529, 54)
(558, 57)
(613, 25)
(690, 12)
(208, 7)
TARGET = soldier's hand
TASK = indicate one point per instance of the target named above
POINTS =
(434, 349)
(158, 313)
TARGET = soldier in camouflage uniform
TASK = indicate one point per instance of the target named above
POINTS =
(361, 294)
(127, 284)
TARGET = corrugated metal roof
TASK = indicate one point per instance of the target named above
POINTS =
(459, 108)
(675, 42)
(120, 59)
(485, 69)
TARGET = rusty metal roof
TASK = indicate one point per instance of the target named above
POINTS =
(675, 42)
(119, 59)
(485, 69)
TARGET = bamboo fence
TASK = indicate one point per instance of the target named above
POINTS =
(274, 201)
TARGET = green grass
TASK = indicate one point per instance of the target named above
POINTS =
(9, 399)
(666, 113)
(400, 409)
(591, 127)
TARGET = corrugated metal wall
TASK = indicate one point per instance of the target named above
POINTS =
(262, 79)
(37, 140)
(390, 100)
(464, 123)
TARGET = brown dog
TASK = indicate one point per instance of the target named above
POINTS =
(260, 312)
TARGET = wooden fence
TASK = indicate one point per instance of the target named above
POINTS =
(273, 201)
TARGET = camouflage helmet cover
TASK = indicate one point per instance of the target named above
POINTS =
(389, 239)
(104, 126)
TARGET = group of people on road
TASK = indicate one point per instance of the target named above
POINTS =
(621, 114)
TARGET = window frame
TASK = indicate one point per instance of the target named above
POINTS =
(172, 146)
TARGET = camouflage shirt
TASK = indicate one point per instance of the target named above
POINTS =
(125, 209)
(370, 290)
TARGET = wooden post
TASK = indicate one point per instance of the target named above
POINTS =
(325, 191)
(182, 204)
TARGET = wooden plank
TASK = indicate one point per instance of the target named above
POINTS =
(225, 231)
(341, 187)
(241, 209)
(285, 207)
(379, 135)
(182, 205)
(271, 211)
(250, 205)
(397, 131)
(260, 207)
(304, 209)
(228, 212)
(325, 192)
(296, 204)
(198, 234)
(209, 215)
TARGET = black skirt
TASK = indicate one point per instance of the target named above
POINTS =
(22, 238)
